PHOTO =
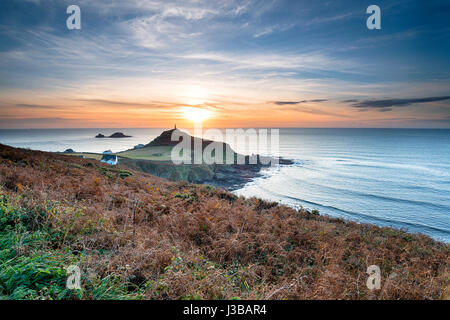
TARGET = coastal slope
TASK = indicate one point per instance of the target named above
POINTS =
(137, 236)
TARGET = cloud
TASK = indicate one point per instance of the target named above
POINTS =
(101, 101)
(7, 122)
(282, 103)
(275, 60)
(386, 105)
(33, 106)
(156, 105)
(168, 24)
(303, 109)
(299, 107)
(265, 32)
(321, 20)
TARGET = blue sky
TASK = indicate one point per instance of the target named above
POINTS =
(249, 63)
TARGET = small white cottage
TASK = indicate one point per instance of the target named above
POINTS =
(110, 159)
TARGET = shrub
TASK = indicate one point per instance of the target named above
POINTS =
(32, 269)
(125, 174)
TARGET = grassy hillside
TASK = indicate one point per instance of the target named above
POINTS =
(87, 155)
(158, 153)
(136, 236)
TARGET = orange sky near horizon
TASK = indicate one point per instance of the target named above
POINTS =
(238, 108)
(101, 113)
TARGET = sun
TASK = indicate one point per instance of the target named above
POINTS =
(196, 114)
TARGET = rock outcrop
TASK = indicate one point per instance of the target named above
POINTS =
(114, 135)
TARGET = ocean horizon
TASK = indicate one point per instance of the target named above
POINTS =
(388, 177)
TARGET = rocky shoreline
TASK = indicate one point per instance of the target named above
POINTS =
(227, 176)
(233, 177)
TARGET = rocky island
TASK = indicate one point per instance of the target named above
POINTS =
(114, 135)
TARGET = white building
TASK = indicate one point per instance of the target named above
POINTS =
(110, 159)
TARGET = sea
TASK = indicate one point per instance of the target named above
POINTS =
(388, 177)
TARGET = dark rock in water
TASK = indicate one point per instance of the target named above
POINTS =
(69, 151)
(119, 135)
(114, 135)
(285, 161)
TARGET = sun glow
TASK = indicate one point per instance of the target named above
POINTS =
(196, 114)
(195, 95)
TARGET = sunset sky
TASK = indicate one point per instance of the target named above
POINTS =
(248, 63)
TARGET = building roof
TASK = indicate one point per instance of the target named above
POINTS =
(109, 157)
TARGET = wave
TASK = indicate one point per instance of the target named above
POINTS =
(399, 183)
(398, 166)
(375, 196)
(387, 221)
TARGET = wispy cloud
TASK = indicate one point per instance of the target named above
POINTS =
(298, 62)
(281, 103)
(314, 111)
(386, 105)
(329, 19)
(33, 106)
(6, 122)
(163, 24)
(158, 105)
(265, 32)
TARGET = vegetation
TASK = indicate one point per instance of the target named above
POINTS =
(157, 153)
(34, 253)
(183, 172)
(94, 156)
(156, 161)
(136, 236)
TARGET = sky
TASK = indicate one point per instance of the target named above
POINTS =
(235, 64)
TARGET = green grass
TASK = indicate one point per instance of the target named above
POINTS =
(33, 261)
(158, 153)
(148, 153)
(94, 156)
